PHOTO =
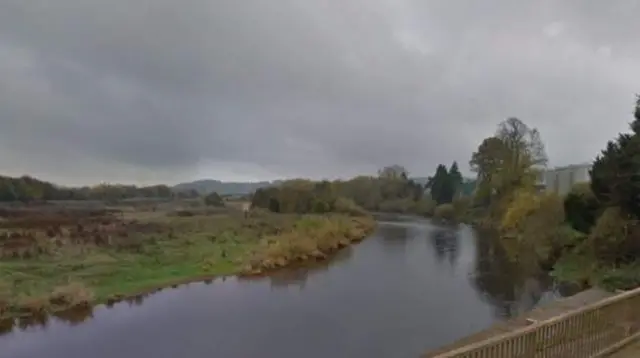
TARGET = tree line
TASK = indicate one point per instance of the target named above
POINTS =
(26, 188)
(592, 234)
(391, 190)
(396, 193)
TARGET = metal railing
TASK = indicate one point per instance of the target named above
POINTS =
(590, 331)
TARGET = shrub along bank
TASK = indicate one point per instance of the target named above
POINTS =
(592, 235)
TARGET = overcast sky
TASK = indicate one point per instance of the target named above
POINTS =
(147, 91)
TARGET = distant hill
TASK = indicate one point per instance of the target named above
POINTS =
(206, 186)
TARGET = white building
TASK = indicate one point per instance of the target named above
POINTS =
(560, 180)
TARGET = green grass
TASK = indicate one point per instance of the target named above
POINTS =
(584, 269)
(575, 268)
(191, 248)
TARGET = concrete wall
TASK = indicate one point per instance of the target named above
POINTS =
(560, 180)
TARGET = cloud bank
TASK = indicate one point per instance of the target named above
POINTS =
(147, 91)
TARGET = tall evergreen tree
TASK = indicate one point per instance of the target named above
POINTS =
(615, 175)
(455, 179)
(445, 183)
(635, 125)
(438, 184)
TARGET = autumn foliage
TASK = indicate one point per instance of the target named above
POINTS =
(593, 233)
(390, 191)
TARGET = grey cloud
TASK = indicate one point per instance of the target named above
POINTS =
(160, 90)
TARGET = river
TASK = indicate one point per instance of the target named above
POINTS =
(411, 287)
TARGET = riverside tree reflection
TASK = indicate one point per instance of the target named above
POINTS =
(511, 288)
(445, 242)
(297, 276)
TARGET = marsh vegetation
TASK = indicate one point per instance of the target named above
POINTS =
(54, 258)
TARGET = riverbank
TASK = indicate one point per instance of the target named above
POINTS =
(314, 238)
(86, 260)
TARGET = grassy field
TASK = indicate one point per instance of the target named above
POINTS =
(50, 263)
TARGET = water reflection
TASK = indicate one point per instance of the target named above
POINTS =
(76, 315)
(394, 237)
(38, 320)
(71, 317)
(510, 288)
(6, 326)
(445, 242)
(298, 276)
(137, 300)
(393, 232)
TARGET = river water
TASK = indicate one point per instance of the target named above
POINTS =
(410, 287)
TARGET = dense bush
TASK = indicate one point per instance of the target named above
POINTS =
(405, 205)
(213, 199)
(614, 237)
(425, 207)
(348, 206)
(391, 191)
(313, 236)
(607, 212)
(386, 192)
(462, 205)
(536, 221)
(524, 204)
(581, 207)
(301, 196)
(445, 212)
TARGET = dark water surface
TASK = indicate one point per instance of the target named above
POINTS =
(409, 288)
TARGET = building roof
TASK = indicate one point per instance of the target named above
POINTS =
(572, 166)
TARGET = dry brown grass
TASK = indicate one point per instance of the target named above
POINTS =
(42, 232)
(32, 304)
(315, 238)
(71, 295)
(63, 297)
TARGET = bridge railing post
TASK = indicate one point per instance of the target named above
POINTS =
(531, 345)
